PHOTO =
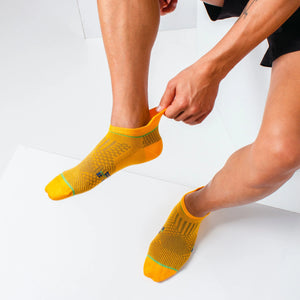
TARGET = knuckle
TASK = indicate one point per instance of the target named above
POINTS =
(181, 105)
(194, 109)
(168, 114)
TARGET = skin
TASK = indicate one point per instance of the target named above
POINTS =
(190, 95)
(252, 172)
(129, 29)
(259, 169)
(167, 6)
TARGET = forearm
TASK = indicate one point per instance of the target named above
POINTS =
(259, 19)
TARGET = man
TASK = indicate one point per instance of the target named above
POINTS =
(129, 30)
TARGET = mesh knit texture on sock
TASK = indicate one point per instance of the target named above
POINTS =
(120, 148)
(172, 246)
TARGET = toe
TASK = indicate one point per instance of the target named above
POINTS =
(58, 189)
(156, 271)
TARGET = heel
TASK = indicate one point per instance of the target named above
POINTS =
(147, 153)
(154, 150)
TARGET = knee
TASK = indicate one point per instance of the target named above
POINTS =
(274, 158)
(285, 153)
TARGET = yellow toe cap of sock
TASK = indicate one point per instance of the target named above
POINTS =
(157, 271)
(58, 189)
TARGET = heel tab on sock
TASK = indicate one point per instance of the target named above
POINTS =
(155, 116)
(140, 131)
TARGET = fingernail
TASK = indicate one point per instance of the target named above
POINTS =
(159, 108)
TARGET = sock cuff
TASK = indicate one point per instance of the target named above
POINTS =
(183, 206)
(140, 131)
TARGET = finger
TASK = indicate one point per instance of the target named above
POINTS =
(183, 116)
(162, 12)
(178, 116)
(163, 3)
(174, 109)
(167, 10)
(200, 120)
(192, 118)
(171, 7)
(190, 115)
(197, 121)
(172, 4)
(167, 97)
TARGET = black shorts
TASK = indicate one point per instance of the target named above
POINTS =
(284, 40)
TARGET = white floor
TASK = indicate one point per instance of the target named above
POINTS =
(93, 246)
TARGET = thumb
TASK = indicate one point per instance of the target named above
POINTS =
(167, 98)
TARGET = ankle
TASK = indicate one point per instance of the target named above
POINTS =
(130, 119)
(193, 203)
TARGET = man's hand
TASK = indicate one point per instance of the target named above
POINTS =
(191, 94)
(167, 6)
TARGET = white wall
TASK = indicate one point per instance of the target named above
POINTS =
(183, 17)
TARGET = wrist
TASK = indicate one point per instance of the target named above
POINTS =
(212, 66)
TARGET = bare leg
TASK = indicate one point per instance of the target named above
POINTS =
(129, 29)
(259, 169)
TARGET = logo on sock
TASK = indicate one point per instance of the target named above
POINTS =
(101, 174)
(163, 228)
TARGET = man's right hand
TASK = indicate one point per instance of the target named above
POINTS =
(167, 6)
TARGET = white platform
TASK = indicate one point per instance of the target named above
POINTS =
(93, 246)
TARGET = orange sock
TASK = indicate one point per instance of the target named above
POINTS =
(172, 246)
(120, 148)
